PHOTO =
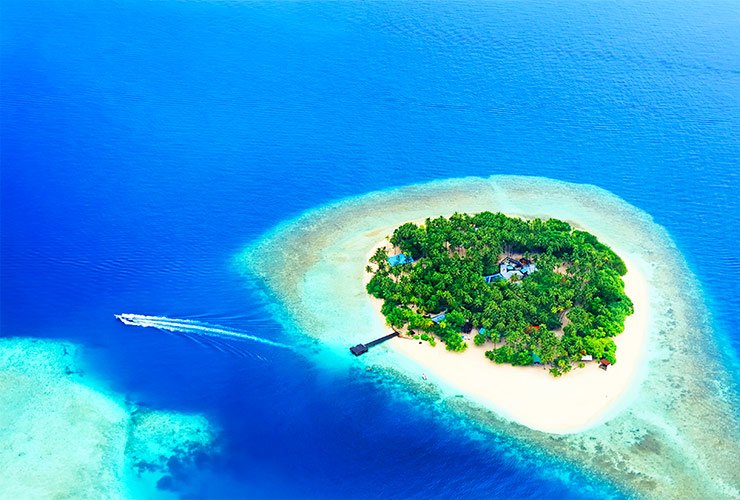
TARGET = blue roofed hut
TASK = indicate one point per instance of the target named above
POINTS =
(399, 259)
(439, 317)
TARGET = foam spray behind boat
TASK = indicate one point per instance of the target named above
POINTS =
(195, 330)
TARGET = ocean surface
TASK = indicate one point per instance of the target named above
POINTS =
(145, 144)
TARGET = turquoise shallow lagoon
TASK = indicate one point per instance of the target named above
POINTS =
(659, 440)
(145, 144)
(65, 437)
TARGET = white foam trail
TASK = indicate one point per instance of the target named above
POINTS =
(194, 327)
(219, 343)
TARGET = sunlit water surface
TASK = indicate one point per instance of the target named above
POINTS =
(145, 145)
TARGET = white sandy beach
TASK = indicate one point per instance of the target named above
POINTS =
(650, 422)
(530, 395)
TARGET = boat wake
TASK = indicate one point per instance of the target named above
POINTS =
(200, 331)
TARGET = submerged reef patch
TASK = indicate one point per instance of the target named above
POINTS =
(676, 431)
(64, 439)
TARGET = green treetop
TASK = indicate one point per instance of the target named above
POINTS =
(572, 303)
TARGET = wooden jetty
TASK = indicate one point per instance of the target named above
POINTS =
(363, 348)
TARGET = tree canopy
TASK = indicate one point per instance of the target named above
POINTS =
(573, 304)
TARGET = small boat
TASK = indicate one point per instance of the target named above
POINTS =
(423, 375)
(126, 319)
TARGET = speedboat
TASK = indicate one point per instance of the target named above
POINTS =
(126, 319)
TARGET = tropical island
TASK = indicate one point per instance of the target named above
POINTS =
(640, 415)
(535, 291)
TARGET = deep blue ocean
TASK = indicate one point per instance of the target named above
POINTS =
(146, 143)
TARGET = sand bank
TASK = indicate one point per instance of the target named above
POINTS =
(63, 439)
(530, 395)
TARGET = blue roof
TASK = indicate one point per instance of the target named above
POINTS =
(401, 258)
(494, 277)
(536, 358)
(439, 317)
(482, 331)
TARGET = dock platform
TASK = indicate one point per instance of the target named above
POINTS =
(363, 348)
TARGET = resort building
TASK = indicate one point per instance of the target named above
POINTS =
(493, 277)
(521, 268)
(439, 317)
(399, 259)
(511, 267)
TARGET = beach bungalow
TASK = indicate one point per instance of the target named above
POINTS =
(604, 364)
(399, 259)
(587, 357)
(536, 359)
(439, 317)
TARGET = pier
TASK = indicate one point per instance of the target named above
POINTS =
(363, 348)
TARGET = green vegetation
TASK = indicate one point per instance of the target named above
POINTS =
(573, 304)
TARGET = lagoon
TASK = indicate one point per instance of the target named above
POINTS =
(145, 145)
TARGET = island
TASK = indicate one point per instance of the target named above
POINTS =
(533, 292)
(653, 411)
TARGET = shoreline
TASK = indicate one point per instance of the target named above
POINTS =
(581, 399)
(658, 438)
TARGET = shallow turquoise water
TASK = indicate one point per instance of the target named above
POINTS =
(145, 144)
